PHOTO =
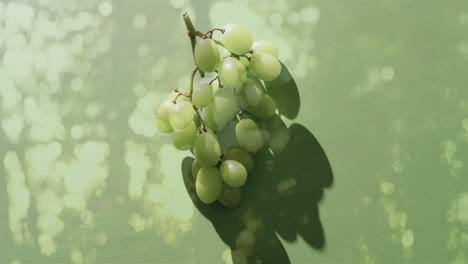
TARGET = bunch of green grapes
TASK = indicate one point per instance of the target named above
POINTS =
(233, 98)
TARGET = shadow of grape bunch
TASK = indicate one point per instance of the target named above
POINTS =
(281, 197)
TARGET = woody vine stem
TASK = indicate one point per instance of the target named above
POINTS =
(192, 33)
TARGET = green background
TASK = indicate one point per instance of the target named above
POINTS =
(85, 177)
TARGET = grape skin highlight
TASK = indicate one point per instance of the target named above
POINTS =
(206, 149)
(265, 46)
(202, 93)
(209, 184)
(207, 55)
(265, 66)
(224, 105)
(237, 39)
(233, 173)
(240, 155)
(232, 73)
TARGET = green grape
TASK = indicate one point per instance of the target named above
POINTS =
(237, 39)
(224, 105)
(207, 55)
(265, 46)
(206, 149)
(202, 93)
(232, 73)
(183, 139)
(209, 116)
(209, 184)
(242, 101)
(265, 66)
(163, 126)
(278, 134)
(264, 110)
(162, 116)
(230, 196)
(225, 52)
(249, 135)
(244, 61)
(233, 173)
(252, 93)
(215, 86)
(181, 115)
(195, 168)
(240, 155)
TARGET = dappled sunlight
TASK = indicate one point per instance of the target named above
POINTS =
(19, 199)
(56, 184)
(457, 216)
(141, 121)
(138, 162)
(459, 209)
(365, 252)
(41, 168)
(49, 206)
(85, 176)
(167, 207)
(449, 150)
(48, 177)
(377, 78)
(397, 219)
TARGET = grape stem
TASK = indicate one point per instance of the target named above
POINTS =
(192, 76)
(192, 33)
(219, 81)
(209, 34)
(237, 56)
(202, 35)
(215, 78)
(200, 118)
(175, 99)
(179, 93)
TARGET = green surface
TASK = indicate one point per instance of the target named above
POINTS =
(377, 148)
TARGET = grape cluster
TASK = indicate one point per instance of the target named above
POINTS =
(234, 93)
